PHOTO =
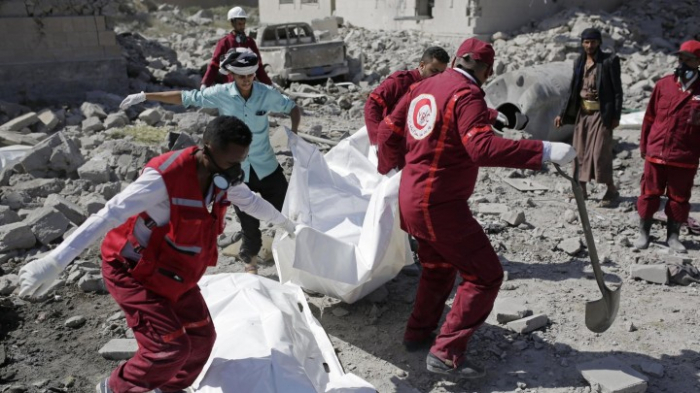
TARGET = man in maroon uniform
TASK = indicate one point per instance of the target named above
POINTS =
(385, 97)
(240, 41)
(670, 146)
(443, 126)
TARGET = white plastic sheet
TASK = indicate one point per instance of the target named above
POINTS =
(268, 341)
(351, 242)
(11, 154)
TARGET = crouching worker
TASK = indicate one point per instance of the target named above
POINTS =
(162, 236)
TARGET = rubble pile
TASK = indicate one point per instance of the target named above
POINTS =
(81, 156)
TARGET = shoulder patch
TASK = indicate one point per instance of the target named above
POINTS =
(422, 114)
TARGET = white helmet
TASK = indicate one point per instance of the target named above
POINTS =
(236, 13)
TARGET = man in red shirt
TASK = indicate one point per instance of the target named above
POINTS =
(236, 39)
(443, 126)
(385, 97)
(670, 146)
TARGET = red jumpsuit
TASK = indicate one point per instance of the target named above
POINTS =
(443, 125)
(383, 99)
(670, 145)
(212, 76)
(159, 293)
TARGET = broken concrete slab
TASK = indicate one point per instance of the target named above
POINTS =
(571, 246)
(95, 170)
(513, 218)
(48, 120)
(16, 236)
(657, 273)
(89, 109)
(92, 283)
(92, 124)
(613, 376)
(525, 184)
(40, 187)
(510, 309)
(47, 224)
(20, 122)
(151, 116)
(116, 120)
(57, 153)
(8, 216)
(119, 349)
(492, 208)
(93, 203)
(528, 324)
(8, 284)
(73, 212)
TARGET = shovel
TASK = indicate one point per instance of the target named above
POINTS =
(600, 314)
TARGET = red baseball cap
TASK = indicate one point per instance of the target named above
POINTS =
(479, 50)
(690, 48)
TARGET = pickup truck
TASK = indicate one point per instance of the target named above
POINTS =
(292, 51)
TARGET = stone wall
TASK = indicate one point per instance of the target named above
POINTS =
(56, 58)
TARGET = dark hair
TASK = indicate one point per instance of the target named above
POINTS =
(224, 130)
(435, 52)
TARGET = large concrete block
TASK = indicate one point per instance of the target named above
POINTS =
(95, 170)
(657, 273)
(73, 212)
(529, 324)
(47, 224)
(21, 122)
(7, 215)
(40, 187)
(119, 349)
(613, 376)
(48, 120)
(16, 236)
(57, 153)
(510, 309)
(92, 124)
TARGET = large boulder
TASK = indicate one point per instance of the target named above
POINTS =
(47, 224)
(57, 153)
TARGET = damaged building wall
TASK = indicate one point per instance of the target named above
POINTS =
(282, 11)
(480, 17)
(56, 51)
(211, 3)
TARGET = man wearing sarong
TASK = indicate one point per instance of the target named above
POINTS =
(594, 106)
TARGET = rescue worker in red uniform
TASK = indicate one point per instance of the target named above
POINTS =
(162, 236)
(670, 146)
(237, 39)
(384, 98)
(443, 125)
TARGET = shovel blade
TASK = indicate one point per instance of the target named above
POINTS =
(600, 314)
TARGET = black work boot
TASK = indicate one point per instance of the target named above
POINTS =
(673, 229)
(418, 345)
(467, 370)
(642, 241)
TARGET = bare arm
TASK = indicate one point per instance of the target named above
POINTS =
(296, 118)
(168, 97)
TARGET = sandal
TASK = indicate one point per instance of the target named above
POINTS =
(609, 199)
(251, 268)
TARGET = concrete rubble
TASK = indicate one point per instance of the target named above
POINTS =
(83, 155)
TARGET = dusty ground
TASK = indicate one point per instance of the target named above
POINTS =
(40, 354)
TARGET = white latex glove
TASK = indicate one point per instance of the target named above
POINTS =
(132, 99)
(558, 153)
(503, 119)
(36, 277)
(289, 226)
